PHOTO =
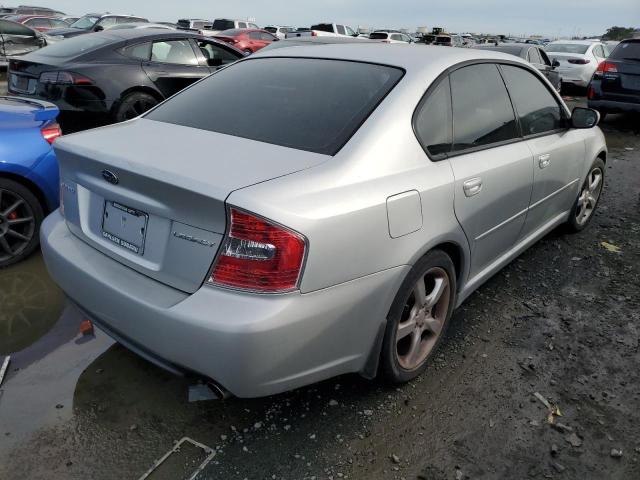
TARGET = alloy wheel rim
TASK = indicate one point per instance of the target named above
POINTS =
(589, 196)
(17, 224)
(137, 108)
(423, 318)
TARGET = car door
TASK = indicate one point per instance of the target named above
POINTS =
(16, 39)
(174, 65)
(557, 151)
(491, 164)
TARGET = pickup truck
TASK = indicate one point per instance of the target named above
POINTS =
(324, 30)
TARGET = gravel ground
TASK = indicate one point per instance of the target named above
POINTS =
(538, 378)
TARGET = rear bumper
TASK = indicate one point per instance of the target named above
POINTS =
(611, 106)
(252, 345)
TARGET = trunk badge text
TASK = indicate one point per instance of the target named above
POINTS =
(193, 239)
(110, 177)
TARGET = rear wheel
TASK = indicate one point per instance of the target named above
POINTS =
(134, 105)
(588, 198)
(419, 317)
(20, 217)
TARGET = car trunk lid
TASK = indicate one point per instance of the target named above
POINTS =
(152, 195)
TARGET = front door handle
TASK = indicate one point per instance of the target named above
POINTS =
(472, 187)
(544, 160)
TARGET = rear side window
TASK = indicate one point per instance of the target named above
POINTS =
(627, 51)
(482, 111)
(142, 51)
(433, 125)
(308, 104)
(538, 111)
(177, 52)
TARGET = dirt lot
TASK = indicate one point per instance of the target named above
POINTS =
(562, 321)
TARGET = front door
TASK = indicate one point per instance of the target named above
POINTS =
(491, 164)
(558, 151)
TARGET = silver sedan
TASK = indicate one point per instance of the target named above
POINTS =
(318, 210)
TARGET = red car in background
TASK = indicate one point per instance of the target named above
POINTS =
(39, 22)
(246, 39)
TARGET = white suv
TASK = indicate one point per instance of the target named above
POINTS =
(222, 24)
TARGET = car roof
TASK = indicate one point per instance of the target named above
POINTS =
(407, 57)
(141, 33)
(577, 42)
(506, 47)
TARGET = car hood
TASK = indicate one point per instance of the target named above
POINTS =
(66, 32)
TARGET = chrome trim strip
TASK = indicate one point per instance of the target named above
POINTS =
(500, 225)
(551, 195)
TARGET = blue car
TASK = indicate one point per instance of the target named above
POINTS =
(29, 185)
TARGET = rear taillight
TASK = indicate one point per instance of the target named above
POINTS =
(51, 132)
(258, 255)
(606, 67)
(579, 61)
(64, 78)
(314, 33)
(591, 93)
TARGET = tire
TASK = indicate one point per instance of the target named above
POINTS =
(134, 105)
(588, 198)
(603, 115)
(20, 218)
(405, 355)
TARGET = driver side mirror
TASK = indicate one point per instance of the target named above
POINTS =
(584, 117)
(555, 63)
(98, 28)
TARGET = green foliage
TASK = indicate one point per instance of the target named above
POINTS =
(618, 33)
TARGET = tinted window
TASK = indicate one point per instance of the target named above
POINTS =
(534, 56)
(378, 36)
(544, 57)
(397, 37)
(482, 112)
(321, 102)
(567, 48)
(175, 51)
(11, 28)
(433, 120)
(323, 27)
(222, 25)
(272, 29)
(538, 111)
(340, 29)
(627, 51)
(77, 45)
(211, 51)
(141, 51)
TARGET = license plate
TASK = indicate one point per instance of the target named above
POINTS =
(21, 84)
(125, 226)
(630, 83)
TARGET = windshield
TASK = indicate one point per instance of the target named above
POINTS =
(378, 36)
(273, 30)
(86, 22)
(322, 102)
(222, 25)
(627, 51)
(567, 48)
(75, 46)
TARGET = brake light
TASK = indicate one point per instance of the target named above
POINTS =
(579, 61)
(314, 33)
(64, 78)
(606, 67)
(591, 92)
(51, 132)
(258, 255)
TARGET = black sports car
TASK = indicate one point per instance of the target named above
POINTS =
(532, 54)
(116, 75)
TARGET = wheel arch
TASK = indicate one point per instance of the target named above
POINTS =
(138, 88)
(31, 186)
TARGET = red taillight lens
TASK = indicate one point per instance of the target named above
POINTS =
(64, 78)
(259, 256)
(579, 61)
(591, 92)
(51, 132)
(606, 67)
(314, 33)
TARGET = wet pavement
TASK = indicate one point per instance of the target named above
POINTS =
(562, 321)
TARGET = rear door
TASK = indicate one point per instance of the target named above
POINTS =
(173, 65)
(17, 39)
(558, 151)
(491, 164)
(623, 84)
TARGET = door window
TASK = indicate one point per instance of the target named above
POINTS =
(538, 110)
(482, 111)
(142, 51)
(432, 124)
(215, 54)
(340, 30)
(534, 56)
(544, 57)
(598, 51)
(242, 25)
(107, 22)
(350, 31)
(59, 23)
(178, 52)
(397, 37)
(267, 37)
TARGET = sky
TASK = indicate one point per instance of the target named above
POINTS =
(557, 18)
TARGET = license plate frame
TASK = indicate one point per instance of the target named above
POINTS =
(629, 82)
(20, 83)
(125, 226)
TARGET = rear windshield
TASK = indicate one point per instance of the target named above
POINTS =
(627, 51)
(75, 46)
(378, 36)
(323, 27)
(223, 25)
(184, 23)
(308, 104)
(271, 29)
(566, 48)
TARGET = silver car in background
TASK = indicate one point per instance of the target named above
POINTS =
(577, 59)
(338, 238)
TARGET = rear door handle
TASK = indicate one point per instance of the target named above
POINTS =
(544, 160)
(472, 187)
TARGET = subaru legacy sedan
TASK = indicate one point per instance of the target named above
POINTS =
(337, 239)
